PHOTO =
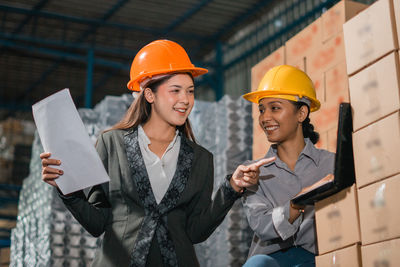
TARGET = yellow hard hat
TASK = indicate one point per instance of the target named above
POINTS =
(286, 82)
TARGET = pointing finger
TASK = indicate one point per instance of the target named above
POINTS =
(261, 162)
(44, 155)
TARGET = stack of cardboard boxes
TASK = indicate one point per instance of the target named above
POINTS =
(16, 137)
(359, 226)
(338, 231)
(319, 51)
(370, 237)
(372, 56)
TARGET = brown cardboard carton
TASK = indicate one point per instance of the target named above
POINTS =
(335, 17)
(396, 4)
(370, 35)
(274, 59)
(379, 210)
(305, 42)
(332, 140)
(300, 63)
(376, 150)
(327, 55)
(323, 141)
(327, 117)
(381, 254)
(337, 222)
(336, 92)
(374, 91)
(319, 84)
(337, 84)
(7, 224)
(9, 209)
(260, 141)
(4, 255)
(350, 256)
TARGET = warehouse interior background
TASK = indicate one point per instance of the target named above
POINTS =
(88, 47)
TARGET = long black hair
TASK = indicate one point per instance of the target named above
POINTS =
(308, 128)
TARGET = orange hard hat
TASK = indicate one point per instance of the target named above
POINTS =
(160, 57)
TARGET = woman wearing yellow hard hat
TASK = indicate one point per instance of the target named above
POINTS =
(158, 201)
(284, 233)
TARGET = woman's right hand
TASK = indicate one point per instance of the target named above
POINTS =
(49, 174)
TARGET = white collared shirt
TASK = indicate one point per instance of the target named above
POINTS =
(160, 171)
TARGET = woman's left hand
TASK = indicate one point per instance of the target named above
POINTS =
(246, 176)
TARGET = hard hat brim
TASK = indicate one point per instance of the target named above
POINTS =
(256, 96)
(135, 85)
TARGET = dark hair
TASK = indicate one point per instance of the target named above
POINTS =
(308, 128)
(140, 110)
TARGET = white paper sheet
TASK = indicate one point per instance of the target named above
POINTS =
(63, 134)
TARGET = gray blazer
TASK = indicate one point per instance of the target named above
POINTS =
(117, 208)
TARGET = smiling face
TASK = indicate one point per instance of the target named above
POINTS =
(280, 119)
(173, 100)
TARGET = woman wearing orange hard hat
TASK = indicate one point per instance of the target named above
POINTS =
(158, 201)
(284, 232)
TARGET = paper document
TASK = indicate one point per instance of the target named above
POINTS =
(63, 134)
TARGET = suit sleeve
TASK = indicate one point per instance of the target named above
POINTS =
(93, 211)
(207, 213)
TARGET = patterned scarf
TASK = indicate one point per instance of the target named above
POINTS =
(155, 220)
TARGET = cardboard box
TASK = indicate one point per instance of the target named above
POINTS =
(274, 59)
(300, 63)
(336, 16)
(327, 117)
(319, 84)
(305, 42)
(370, 35)
(396, 4)
(7, 224)
(9, 209)
(374, 91)
(379, 210)
(4, 255)
(327, 55)
(376, 150)
(350, 256)
(260, 141)
(337, 84)
(332, 140)
(381, 254)
(336, 92)
(337, 222)
(323, 141)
